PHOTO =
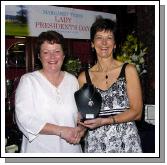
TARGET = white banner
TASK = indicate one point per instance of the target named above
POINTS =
(72, 23)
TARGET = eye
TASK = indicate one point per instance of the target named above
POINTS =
(110, 37)
(98, 38)
(45, 52)
(56, 52)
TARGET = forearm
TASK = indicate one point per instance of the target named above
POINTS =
(51, 129)
(128, 115)
(70, 134)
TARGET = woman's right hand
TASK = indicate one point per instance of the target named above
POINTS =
(70, 134)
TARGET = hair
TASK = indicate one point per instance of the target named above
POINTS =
(102, 24)
(51, 37)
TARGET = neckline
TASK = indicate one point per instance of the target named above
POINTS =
(104, 90)
(119, 76)
(50, 84)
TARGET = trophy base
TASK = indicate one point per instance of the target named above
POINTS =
(87, 117)
(90, 116)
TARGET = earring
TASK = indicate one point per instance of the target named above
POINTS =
(38, 56)
(93, 49)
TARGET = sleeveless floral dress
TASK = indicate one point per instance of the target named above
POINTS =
(115, 138)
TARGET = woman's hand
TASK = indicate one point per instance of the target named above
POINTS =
(82, 129)
(93, 123)
(70, 134)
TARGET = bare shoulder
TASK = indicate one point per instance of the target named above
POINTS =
(131, 71)
(131, 68)
(81, 78)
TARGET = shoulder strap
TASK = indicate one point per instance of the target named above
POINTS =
(88, 77)
(122, 73)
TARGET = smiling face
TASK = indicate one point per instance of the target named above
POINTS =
(104, 43)
(51, 56)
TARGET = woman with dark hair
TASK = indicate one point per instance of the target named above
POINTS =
(114, 129)
(46, 112)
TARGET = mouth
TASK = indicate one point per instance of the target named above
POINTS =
(53, 62)
(104, 49)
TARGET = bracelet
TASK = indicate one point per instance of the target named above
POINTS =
(113, 119)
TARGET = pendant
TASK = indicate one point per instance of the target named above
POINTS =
(90, 103)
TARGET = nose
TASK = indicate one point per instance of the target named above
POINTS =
(52, 54)
(104, 41)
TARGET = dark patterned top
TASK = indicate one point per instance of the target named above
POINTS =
(115, 138)
(115, 99)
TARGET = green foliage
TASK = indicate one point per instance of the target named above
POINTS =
(133, 51)
(72, 65)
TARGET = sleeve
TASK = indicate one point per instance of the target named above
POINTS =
(27, 115)
(75, 84)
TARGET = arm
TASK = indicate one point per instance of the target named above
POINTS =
(31, 118)
(27, 116)
(135, 98)
(81, 79)
(69, 134)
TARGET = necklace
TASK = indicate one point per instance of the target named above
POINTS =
(91, 102)
(106, 78)
(106, 75)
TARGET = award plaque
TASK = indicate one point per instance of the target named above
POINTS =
(88, 101)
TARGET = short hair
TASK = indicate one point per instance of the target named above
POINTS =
(51, 37)
(103, 24)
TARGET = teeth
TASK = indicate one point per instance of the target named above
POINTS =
(52, 62)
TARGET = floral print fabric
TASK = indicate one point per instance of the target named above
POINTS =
(116, 138)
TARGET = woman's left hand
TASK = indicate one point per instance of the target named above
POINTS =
(93, 123)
